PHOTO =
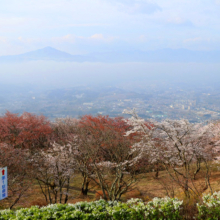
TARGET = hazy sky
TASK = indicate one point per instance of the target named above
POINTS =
(84, 26)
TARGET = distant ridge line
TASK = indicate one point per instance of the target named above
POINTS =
(163, 55)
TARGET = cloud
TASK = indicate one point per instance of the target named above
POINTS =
(101, 37)
(3, 39)
(97, 37)
(180, 22)
(67, 38)
(196, 39)
(142, 38)
(28, 40)
(138, 7)
(73, 39)
(79, 25)
(201, 43)
(7, 22)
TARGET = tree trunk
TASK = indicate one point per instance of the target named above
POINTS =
(85, 188)
(157, 171)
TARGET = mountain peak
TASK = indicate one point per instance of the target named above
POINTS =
(47, 53)
(49, 48)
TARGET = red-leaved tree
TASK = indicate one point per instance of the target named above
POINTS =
(111, 161)
(27, 131)
(20, 138)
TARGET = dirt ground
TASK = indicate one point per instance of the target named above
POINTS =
(146, 188)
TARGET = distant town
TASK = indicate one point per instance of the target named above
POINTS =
(151, 102)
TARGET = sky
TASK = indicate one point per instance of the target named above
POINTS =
(87, 26)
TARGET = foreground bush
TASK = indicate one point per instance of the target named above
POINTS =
(134, 209)
(210, 207)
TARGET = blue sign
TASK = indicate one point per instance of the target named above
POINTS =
(3, 183)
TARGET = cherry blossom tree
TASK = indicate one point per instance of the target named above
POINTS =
(184, 147)
(68, 132)
(54, 170)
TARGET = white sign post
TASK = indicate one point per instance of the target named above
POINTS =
(3, 183)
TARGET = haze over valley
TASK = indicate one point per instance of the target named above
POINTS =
(157, 90)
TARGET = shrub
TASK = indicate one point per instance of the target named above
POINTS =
(210, 207)
(134, 209)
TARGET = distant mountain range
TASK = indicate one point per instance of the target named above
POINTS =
(164, 55)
